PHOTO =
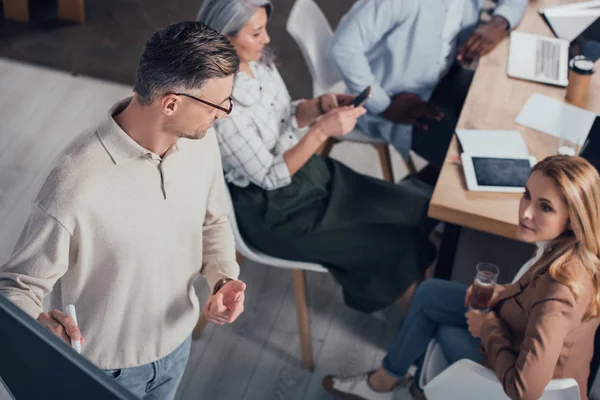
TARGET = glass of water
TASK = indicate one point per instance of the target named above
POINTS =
(568, 145)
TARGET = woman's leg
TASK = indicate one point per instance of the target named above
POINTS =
(457, 343)
(436, 302)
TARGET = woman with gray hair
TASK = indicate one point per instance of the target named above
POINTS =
(290, 203)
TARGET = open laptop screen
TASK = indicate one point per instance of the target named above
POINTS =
(591, 148)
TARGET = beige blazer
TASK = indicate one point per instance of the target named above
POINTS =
(536, 333)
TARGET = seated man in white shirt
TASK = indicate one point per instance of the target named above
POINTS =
(406, 51)
(134, 211)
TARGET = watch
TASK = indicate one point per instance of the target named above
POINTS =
(220, 283)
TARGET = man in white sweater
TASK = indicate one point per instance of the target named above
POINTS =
(133, 212)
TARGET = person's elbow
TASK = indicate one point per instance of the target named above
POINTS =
(271, 182)
(524, 389)
(338, 55)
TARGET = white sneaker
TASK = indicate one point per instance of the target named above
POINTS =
(354, 388)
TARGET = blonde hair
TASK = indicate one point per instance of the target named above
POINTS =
(579, 184)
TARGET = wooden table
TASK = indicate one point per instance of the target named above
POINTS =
(493, 102)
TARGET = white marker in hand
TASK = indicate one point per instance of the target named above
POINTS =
(70, 311)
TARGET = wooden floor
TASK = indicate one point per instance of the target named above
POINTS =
(257, 357)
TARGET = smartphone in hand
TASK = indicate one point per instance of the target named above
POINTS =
(362, 97)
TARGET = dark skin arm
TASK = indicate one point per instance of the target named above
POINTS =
(483, 40)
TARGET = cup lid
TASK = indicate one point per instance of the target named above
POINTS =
(582, 65)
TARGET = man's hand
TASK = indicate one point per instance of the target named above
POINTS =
(227, 304)
(483, 40)
(61, 325)
(409, 108)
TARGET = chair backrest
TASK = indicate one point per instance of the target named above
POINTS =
(309, 27)
(240, 244)
(468, 380)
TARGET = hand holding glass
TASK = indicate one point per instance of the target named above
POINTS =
(483, 287)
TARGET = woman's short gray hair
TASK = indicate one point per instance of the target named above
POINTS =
(229, 16)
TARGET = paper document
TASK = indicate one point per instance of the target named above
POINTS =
(571, 20)
(569, 27)
(572, 6)
(489, 143)
(554, 117)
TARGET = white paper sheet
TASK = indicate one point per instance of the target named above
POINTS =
(570, 25)
(555, 117)
(491, 143)
(573, 6)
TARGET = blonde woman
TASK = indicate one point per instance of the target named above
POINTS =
(541, 327)
(290, 203)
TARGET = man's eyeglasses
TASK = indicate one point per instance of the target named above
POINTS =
(208, 103)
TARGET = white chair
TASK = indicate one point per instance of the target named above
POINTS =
(309, 27)
(468, 380)
(298, 269)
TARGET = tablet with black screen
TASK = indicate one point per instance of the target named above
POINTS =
(497, 174)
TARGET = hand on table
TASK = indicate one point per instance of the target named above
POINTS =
(483, 40)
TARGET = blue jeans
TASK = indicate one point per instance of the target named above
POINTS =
(436, 311)
(158, 380)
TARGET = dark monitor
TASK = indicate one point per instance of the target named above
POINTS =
(591, 147)
(35, 364)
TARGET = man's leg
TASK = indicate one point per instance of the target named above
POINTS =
(169, 371)
(134, 379)
(450, 94)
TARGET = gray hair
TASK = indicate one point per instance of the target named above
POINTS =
(228, 17)
(181, 57)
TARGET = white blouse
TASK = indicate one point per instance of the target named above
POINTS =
(538, 254)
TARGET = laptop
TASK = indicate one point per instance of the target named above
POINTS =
(591, 147)
(35, 364)
(538, 58)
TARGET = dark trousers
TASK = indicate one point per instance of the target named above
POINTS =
(449, 95)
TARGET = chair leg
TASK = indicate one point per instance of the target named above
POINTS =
(326, 147)
(303, 319)
(71, 10)
(410, 165)
(386, 162)
(17, 10)
(200, 325)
